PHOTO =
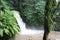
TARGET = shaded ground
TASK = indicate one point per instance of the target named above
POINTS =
(39, 36)
(54, 36)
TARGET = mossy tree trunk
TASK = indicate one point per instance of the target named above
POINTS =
(50, 6)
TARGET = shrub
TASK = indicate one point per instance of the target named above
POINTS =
(8, 24)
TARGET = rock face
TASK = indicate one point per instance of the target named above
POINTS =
(39, 36)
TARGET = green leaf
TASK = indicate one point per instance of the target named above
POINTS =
(12, 30)
(15, 29)
(1, 32)
(6, 31)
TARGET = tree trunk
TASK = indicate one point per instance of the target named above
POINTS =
(48, 24)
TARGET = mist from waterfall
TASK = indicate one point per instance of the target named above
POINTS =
(22, 25)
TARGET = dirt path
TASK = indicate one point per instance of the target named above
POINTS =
(52, 36)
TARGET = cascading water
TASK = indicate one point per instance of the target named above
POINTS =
(22, 25)
(57, 0)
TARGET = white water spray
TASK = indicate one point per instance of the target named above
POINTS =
(57, 0)
(22, 25)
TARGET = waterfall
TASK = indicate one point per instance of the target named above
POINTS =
(57, 0)
(22, 25)
(19, 20)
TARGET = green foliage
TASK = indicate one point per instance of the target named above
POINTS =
(33, 12)
(57, 20)
(14, 4)
(8, 24)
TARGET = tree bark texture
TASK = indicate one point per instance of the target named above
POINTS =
(48, 24)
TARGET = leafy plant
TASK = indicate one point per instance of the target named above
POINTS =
(33, 12)
(8, 24)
